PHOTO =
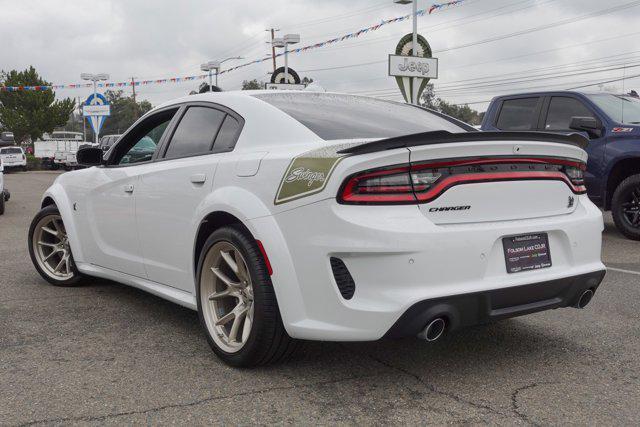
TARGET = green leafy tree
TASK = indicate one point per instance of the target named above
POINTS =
(460, 112)
(29, 114)
(124, 112)
(252, 85)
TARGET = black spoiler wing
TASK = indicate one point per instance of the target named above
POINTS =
(444, 137)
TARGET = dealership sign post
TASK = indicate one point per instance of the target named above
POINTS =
(413, 68)
(97, 109)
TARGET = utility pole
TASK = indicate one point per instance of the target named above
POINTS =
(273, 48)
(135, 104)
(133, 88)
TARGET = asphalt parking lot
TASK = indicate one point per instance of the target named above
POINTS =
(109, 354)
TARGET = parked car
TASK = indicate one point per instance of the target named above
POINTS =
(297, 215)
(612, 124)
(4, 193)
(107, 142)
(13, 157)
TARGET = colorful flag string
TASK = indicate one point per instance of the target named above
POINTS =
(349, 36)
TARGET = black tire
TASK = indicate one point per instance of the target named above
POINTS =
(77, 278)
(2, 203)
(24, 169)
(268, 340)
(628, 191)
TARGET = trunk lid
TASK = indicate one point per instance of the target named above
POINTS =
(469, 178)
(498, 180)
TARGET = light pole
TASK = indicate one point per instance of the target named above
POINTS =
(414, 94)
(215, 65)
(95, 78)
(210, 66)
(285, 42)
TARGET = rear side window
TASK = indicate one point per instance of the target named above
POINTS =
(227, 136)
(561, 110)
(517, 114)
(196, 132)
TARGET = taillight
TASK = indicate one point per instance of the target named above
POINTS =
(424, 182)
(392, 185)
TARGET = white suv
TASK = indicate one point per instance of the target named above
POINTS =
(13, 157)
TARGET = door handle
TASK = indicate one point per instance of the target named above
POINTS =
(128, 188)
(198, 178)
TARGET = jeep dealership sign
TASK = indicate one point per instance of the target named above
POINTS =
(413, 66)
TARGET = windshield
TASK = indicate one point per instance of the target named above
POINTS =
(620, 108)
(332, 116)
(11, 151)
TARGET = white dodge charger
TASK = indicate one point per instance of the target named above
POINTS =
(281, 216)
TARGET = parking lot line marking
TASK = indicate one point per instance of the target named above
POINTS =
(620, 270)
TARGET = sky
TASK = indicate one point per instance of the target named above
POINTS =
(485, 47)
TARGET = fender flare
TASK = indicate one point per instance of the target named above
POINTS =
(610, 167)
(59, 196)
(255, 215)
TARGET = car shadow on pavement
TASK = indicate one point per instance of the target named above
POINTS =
(490, 345)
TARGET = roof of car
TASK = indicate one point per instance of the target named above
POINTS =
(555, 92)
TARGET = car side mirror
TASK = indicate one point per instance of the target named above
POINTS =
(89, 156)
(590, 125)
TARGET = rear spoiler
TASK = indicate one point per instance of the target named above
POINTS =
(445, 137)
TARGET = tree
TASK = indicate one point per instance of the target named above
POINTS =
(124, 112)
(252, 85)
(460, 112)
(29, 114)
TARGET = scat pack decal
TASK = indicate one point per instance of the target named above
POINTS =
(309, 173)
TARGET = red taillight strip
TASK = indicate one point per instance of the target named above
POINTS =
(471, 178)
(348, 195)
(404, 195)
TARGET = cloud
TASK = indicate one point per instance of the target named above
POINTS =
(146, 40)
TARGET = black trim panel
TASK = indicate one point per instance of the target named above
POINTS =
(444, 137)
(483, 307)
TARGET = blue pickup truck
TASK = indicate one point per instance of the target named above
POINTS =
(612, 123)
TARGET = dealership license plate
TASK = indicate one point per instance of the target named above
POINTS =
(526, 252)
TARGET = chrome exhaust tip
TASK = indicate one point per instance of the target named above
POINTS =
(434, 330)
(585, 298)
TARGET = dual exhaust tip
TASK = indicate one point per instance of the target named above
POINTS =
(585, 298)
(436, 328)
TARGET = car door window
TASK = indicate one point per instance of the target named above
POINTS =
(228, 135)
(561, 110)
(517, 114)
(141, 143)
(195, 133)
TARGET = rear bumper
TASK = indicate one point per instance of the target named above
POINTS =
(398, 258)
(18, 164)
(482, 307)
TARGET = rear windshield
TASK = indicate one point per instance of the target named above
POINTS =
(333, 116)
(12, 150)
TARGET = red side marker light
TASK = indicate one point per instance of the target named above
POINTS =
(265, 257)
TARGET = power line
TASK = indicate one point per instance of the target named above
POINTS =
(605, 82)
(505, 36)
(370, 8)
(432, 29)
(492, 79)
